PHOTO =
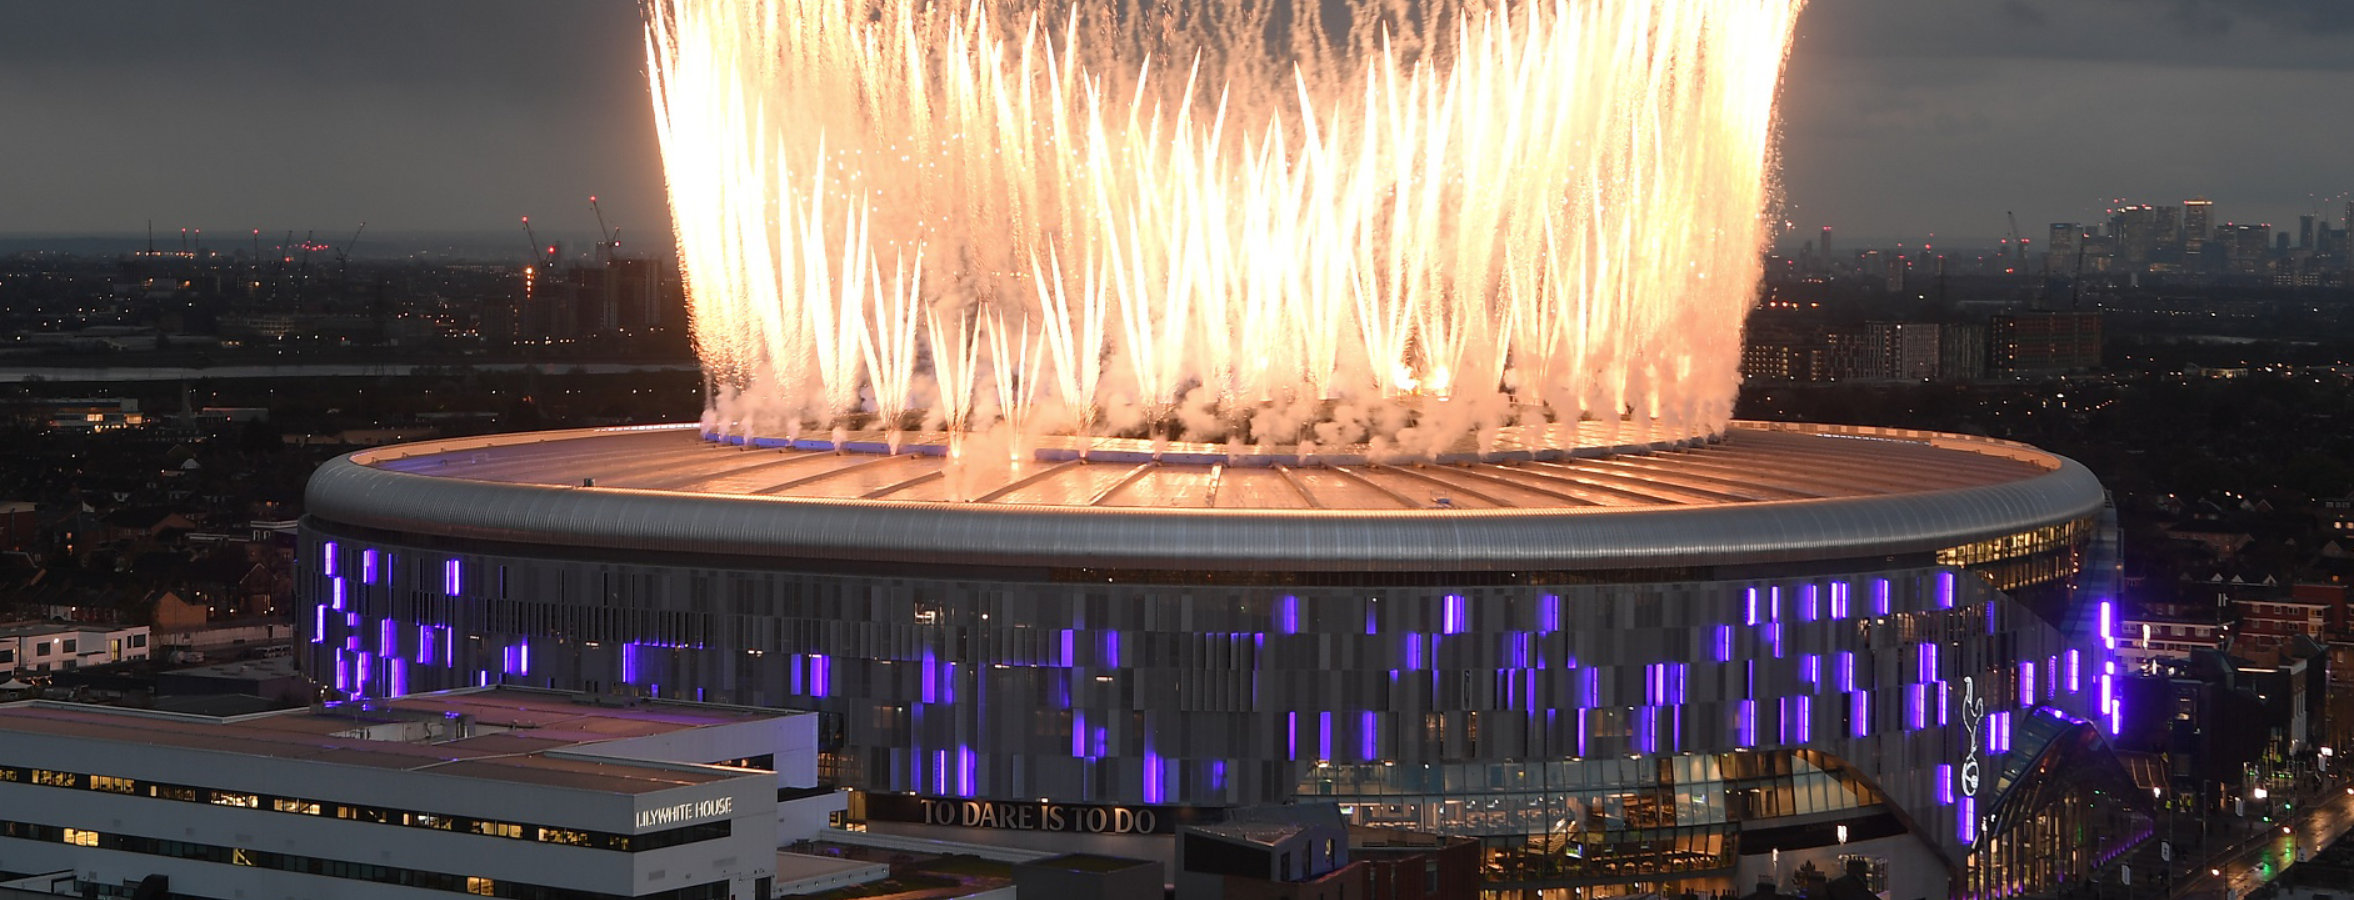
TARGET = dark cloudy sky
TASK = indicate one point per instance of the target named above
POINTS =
(1903, 117)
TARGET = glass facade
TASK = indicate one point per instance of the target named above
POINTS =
(1586, 725)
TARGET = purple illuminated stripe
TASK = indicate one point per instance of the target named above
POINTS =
(450, 578)
(1806, 717)
(939, 771)
(821, 675)
(335, 592)
(1859, 713)
(1945, 793)
(2108, 625)
(1724, 643)
(1969, 823)
(1752, 606)
(342, 673)
(1111, 649)
(1549, 613)
(1810, 667)
(1079, 733)
(1152, 775)
(1291, 735)
(398, 672)
(1945, 590)
(931, 677)
(1593, 688)
(1324, 735)
(1774, 603)
(388, 637)
(523, 657)
(1838, 599)
(425, 645)
(1372, 620)
(1413, 652)
(1998, 732)
(448, 655)
(629, 663)
(319, 629)
(1217, 775)
(1774, 635)
(1917, 705)
(2051, 675)
(1879, 596)
(1454, 616)
(327, 557)
(1647, 729)
(1846, 670)
(1287, 614)
(1369, 736)
(2075, 671)
(368, 566)
(1810, 606)
(1676, 696)
(362, 666)
(964, 774)
(1782, 717)
(1581, 732)
(1066, 659)
(1943, 694)
(1928, 663)
(2027, 684)
(1746, 722)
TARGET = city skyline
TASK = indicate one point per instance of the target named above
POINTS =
(443, 118)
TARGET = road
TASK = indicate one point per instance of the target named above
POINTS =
(2261, 857)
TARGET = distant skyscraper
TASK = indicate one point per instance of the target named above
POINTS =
(2198, 222)
(2061, 252)
(2246, 247)
(2305, 232)
(1825, 243)
(2137, 229)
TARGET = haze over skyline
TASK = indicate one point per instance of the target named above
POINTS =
(1900, 120)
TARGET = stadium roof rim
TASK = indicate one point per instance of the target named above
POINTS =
(1677, 516)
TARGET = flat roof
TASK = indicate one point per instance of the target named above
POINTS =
(520, 730)
(1759, 493)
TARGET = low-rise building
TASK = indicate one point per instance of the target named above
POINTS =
(42, 647)
(497, 792)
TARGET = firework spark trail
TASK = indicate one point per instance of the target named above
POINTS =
(1104, 219)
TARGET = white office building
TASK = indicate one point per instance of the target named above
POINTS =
(39, 648)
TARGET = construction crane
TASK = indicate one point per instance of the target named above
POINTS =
(2018, 244)
(612, 236)
(343, 260)
(542, 255)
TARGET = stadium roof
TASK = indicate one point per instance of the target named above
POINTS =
(1761, 493)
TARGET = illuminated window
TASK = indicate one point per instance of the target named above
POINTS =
(110, 784)
(56, 779)
(240, 857)
(289, 804)
(564, 836)
(231, 798)
(483, 886)
(80, 838)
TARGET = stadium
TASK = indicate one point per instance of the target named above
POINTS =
(1680, 666)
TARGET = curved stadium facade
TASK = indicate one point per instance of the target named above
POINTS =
(1627, 672)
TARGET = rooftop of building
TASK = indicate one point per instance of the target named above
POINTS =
(35, 629)
(1750, 463)
(500, 733)
(1758, 492)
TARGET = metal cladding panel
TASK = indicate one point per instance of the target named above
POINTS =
(351, 493)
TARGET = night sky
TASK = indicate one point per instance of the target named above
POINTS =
(1902, 117)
